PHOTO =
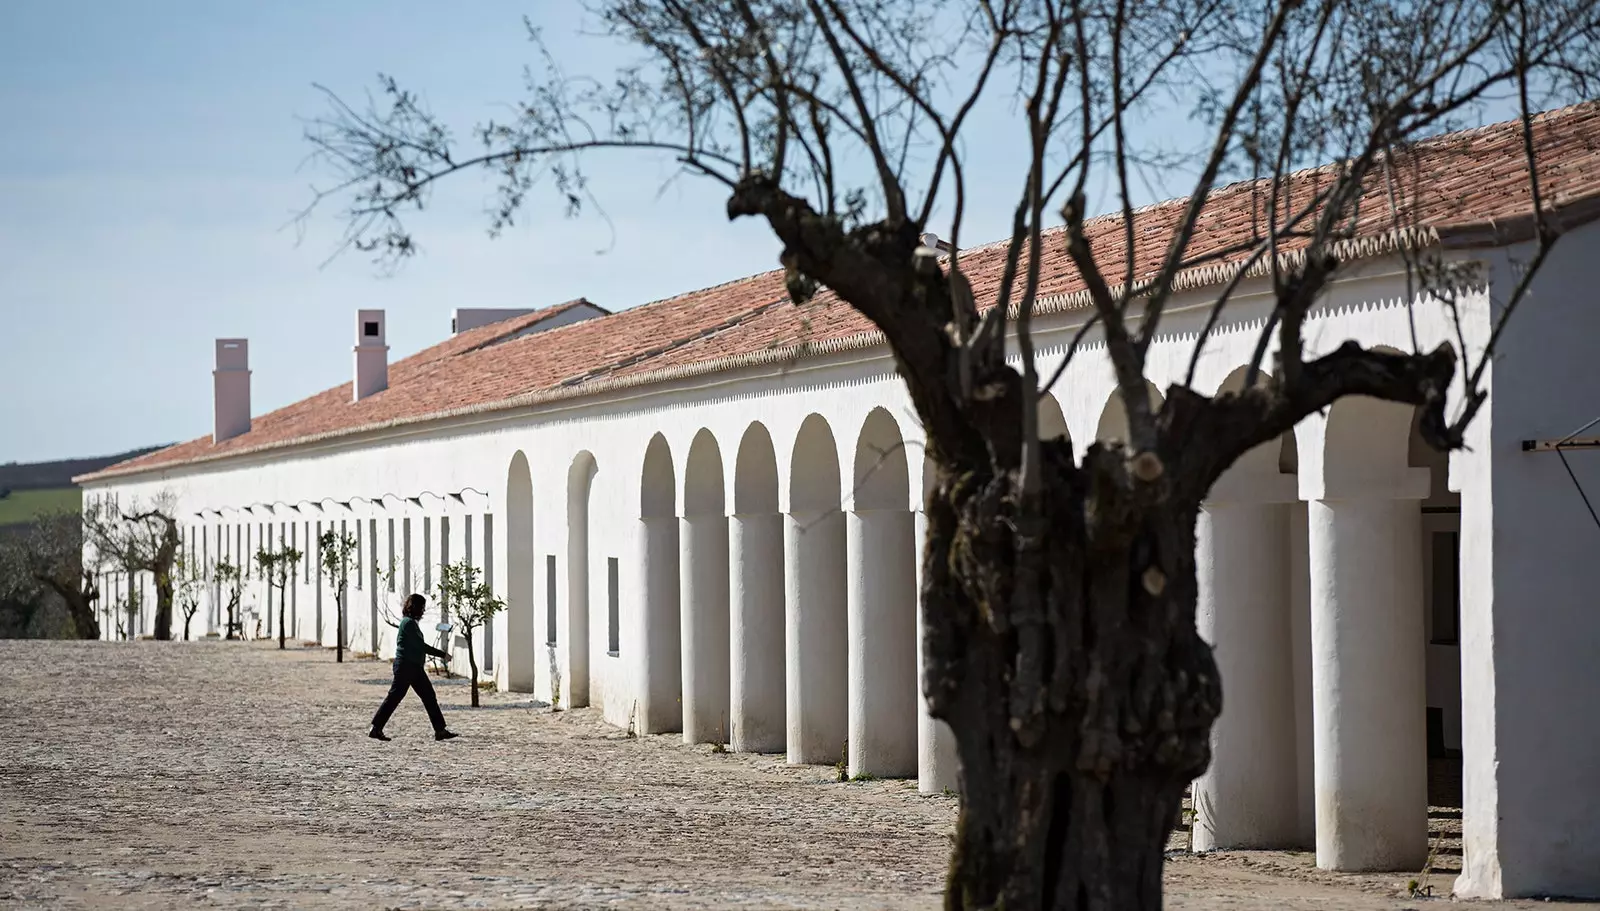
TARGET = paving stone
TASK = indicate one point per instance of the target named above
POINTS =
(153, 775)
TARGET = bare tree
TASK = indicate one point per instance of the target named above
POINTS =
(470, 601)
(190, 582)
(50, 554)
(339, 554)
(142, 538)
(1058, 595)
(277, 567)
(229, 582)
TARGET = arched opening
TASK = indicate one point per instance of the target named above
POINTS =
(1440, 517)
(755, 546)
(815, 595)
(580, 484)
(1113, 426)
(1277, 457)
(660, 657)
(521, 641)
(1250, 794)
(1369, 641)
(703, 573)
(882, 605)
(1052, 423)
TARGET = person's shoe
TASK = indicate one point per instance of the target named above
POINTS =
(378, 734)
(445, 735)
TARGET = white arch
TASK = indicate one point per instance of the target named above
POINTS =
(755, 474)
(814, 469)
(703, 594)
(1052, 422)
(1268, 458)
(880, 476)
(756, 631)
(1113, 424)
(882, 605)
(521, 639)
(580, 485)
(660, 658)
(815, 600)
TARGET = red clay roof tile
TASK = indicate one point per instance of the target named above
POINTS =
(1468, 179)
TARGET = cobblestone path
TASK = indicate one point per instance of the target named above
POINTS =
(223, 775)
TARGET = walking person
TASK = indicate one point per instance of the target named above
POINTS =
(409, 674)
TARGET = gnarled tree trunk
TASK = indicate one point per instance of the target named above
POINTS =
(1060, 645)
(163, 606)
(80, 602)
(166, 554)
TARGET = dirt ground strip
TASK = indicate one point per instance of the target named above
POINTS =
(211, 774)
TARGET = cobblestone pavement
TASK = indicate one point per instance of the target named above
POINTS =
(210, 774)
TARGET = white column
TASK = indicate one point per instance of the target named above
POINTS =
(815, 638)
(1368, 687)
(1300, 637)
(937, 762)
(704, 577)
(660, 661)
(883, 653)
(1249, 794)
(755, 638)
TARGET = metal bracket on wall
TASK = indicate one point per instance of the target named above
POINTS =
(1555, 445)
(1559, 447)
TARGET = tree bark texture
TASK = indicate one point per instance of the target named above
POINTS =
(163, 607)
(283, 597)
(472, 664)
(338, 646)
(166, 555)
(1062, 650)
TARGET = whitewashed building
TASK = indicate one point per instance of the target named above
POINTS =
(702, 517)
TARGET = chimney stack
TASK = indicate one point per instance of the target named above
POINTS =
(231, 384)
(372, 354)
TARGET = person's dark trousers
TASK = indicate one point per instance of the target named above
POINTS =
(409, 677)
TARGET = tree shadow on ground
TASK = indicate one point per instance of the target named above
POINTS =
(527, 705)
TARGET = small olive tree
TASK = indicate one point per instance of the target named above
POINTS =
(189, 581)
(470, 602)
(228, 579)
(131, 609)
(338, 555)
(277, 567)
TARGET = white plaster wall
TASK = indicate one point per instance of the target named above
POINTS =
(1531, 630)
(431, 462)
(474, 454)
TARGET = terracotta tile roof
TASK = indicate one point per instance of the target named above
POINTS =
(1464, 187)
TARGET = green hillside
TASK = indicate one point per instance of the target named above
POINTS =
(24, 505)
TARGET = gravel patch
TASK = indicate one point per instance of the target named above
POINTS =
(231, 775)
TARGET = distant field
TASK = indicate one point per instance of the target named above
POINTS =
(23, 505)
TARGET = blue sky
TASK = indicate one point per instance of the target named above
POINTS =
(151, 157)
(152, 160)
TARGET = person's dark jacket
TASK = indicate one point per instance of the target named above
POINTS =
(410, 648)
